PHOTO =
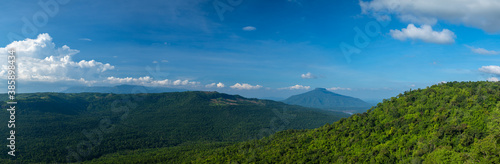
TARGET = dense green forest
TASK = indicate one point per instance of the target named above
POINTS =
(62, 127)
(455, 122)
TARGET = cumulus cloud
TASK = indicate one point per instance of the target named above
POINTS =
(482, 51)
(338, 89)
(297, 87)
(483, 14)
(245, 86)
(308, 75)
(218, 85)
(492, 69)
(493, 79)
(249, 28)
(424, 33)
(148, 81)
(40, 60)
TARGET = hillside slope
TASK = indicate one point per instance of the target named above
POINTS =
(324, 99)
(55, 127)
(456, 122)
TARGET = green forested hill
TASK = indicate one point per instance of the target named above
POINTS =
(55, 127)
(456, 122)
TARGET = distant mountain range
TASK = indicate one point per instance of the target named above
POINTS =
(122, 89)
(324, 99)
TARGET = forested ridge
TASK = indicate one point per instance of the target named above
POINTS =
(455, 122)
(62, 127)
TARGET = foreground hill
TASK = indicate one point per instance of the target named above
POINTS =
(324, 99)
(457, 122)
(58, 127)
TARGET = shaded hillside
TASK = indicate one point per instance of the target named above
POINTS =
(324, 99)
(456, 122)
(54, 127)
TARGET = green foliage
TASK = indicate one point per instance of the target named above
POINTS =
(456, 122)
(51, 127)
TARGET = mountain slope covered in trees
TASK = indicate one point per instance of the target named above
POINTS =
(456, 122)
(59, 127)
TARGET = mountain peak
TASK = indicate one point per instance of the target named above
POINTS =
(320, 89)
(324, 99)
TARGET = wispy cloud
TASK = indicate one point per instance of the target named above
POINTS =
(85, 39)
(148, 81)
(296, 87)
(245, 86)
(482, 51)
(249, 28)
(338, 89)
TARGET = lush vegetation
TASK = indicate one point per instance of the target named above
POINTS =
(58, 127)
(456, 122)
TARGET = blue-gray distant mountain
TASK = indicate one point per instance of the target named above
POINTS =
(122, 89)
(324, 99)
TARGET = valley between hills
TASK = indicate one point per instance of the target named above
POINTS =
(454, 122)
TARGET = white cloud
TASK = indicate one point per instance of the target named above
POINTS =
(493, 79)
(210, 85)
(297, 87)
(483, 14)
(482, 51)
(245, 86)
(85, 39)
(249, 28)
(308, 75)
(218, 85)
(492, 69)
(39, 60)
(148, 81)
(163, 61)
(424, 33)
(338, 88)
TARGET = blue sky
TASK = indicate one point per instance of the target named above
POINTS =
(254, 48)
